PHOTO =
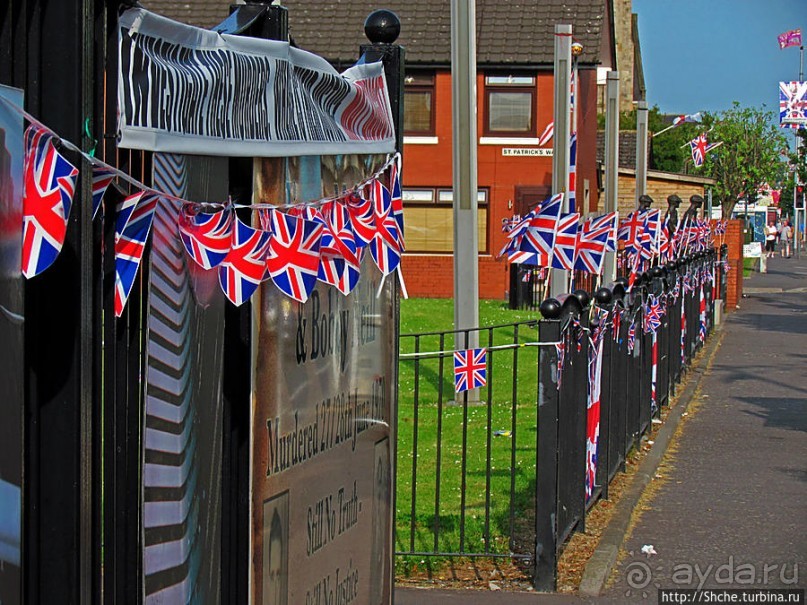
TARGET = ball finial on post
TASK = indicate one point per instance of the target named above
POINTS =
(382, 26)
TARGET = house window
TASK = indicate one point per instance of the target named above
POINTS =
(510, 105)
(419, 104)
(429, 220)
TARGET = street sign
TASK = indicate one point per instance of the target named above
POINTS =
(752, 250)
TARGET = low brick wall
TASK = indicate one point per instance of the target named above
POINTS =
(734, 239)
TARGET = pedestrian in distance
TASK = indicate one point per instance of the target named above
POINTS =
(770, 239)
(785, 238)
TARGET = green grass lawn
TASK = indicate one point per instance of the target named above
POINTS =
(499, 434)
(750, 265)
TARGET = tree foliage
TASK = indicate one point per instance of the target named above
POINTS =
(750, 154)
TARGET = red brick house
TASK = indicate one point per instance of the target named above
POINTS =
(515, 48)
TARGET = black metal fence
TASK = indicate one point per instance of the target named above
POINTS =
(74, 377)
(471, 485)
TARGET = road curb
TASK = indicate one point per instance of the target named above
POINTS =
(605, 554)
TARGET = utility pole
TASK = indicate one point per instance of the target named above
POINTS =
(641, 150)
(560, 143)
(611, 161)
(463, 119)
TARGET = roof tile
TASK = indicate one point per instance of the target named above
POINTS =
(518, 32)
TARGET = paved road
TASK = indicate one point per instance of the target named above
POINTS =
(732, 504)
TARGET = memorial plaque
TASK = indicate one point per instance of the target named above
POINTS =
(322, 435)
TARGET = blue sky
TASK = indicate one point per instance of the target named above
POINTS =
(700, 55)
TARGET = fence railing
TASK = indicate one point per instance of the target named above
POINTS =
(511, 469)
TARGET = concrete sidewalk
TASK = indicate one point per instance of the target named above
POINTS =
(731, 501)
(733, 497)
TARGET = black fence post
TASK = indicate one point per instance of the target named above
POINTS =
(382, 28)
(604, 300)
(546, 467)
(47, 50)
(269, 22)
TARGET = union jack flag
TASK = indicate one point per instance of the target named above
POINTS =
(560, 349)
(516, 230)
(130, 243)
(704, 234)
(244, 267)
(539, 238)
(699, 147)
(702, 315)
(631, 336)
(523, 258)
(606, 224)
(664, 243)
(362, 218)
(789, 38)
(573, 173)
(547, 134)
(563, 256)
(50, 182)
(397, 197)
(630, 231)
(592, 240)
(101, 179)
(293, 259)
(649, 236)
(307, 212)
(720, 227)
(695, 117)
(792, 103)
(594, 399)
(617, 321)
(653, 372)
(339, 259)
(653, 313)
(207, 236)
(470, 369)
(518, 225)
(386, 244)
(683, 324)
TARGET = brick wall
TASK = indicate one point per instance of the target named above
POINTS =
(432, 276)
(734, 239)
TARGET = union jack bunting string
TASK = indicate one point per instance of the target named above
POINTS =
(207, 237)
(578, 331)
(600, 318)
(49, 182)
(631, 336)
(653, 313)
(131, 233)
(560, 349)
(470, 369)
(244, 267)
(617, 324)
(295, 246)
